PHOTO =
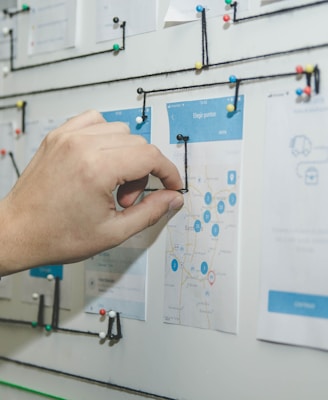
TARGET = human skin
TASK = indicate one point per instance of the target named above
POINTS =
(62, 208)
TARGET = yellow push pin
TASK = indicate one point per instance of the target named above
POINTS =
(309, 68)
(20, 104)
(230, 107)
(198, 65)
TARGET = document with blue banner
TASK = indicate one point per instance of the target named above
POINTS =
(294, 290)
(201, 271)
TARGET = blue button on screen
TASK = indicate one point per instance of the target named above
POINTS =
(298, 304)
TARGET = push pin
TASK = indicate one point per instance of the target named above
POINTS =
(102, 312)
(5, 70)
(199, 8)
(198, 65)
(116, 20)
(5, 31)
(309, 70)
(18, 131)
(232, 107)
(3, 152)
(226, 18)
(20, 104)
(142, 118)
(116, 47)
(50, 277)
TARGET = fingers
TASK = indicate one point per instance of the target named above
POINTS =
(88, 118)
(127, 194)
(144, 214)
(139, 161)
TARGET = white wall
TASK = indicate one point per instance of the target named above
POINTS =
(167, 360)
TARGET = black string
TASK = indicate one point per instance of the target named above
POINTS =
(236, 93)
(166, 73)
(247, 79)
(205, 60)
(185, 140)
(16, 12)
(186, 188)
(280, 11)
(58, 329)
(86, 379)
(11, 155)
(40, 319)
(56, 303)
(25, 67)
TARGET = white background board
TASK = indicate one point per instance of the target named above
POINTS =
(166, 360)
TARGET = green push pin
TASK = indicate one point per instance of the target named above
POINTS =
(48, 328)
(34, 324)
(25, 7)
(116, 47)
(228, 2)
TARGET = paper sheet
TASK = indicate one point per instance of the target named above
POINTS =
(294, 291)
(116, 279)
(201, 275)
(185, 10)
(140, 17)
(51, 25)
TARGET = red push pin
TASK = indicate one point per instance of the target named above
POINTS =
(299, 69)
(226, 18)
(307, 90)
(3, 152)
(18, 131)
(102, 312)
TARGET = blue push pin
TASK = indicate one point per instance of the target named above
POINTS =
(232, 79)
(199, 8)
(299, 91)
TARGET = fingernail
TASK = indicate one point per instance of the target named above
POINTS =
(176, 203)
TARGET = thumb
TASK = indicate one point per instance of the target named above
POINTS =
(146, 213)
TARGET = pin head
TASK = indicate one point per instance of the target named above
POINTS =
(116, 20)
(309, 68)
(232, 79)
(198, 65)
(226, 18)
(116, 47)
(299, 91)
(140, 90)
(102, 335)
(199, 8)
(139, 120)
(3, 152)
(102, 311)
(112, 314)
(230, 107)
(307, 90)
(299, 69)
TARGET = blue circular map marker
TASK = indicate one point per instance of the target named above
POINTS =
(215, 230)
(232, 199)
(197, 225)
(221, 207)
(208, 198)
(207, 216)
(204, 267)
(174, 265)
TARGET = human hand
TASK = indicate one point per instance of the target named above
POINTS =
(62, 208)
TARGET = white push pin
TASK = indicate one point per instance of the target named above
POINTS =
(102, 335)
(5, 31)
(139, 120)
(50, 277)
(112, 314)
(35, 296)
(5, 70)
